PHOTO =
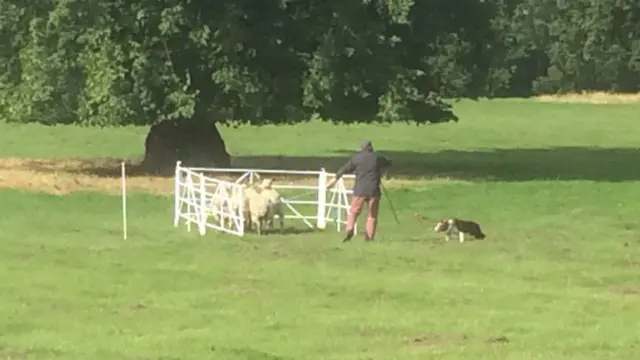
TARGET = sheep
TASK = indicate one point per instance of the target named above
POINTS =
(218, 203)
(275, 203)
(235, 200)
(259, 208)
(261, 203)
(242, 198)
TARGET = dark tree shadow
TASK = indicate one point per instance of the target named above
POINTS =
(560, 163)
(292, 231)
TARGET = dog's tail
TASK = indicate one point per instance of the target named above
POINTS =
(479, 234)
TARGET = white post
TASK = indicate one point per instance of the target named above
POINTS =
(203, 207)
(338, 212)
(321, 222)
(241, 178)
(240, 195)
(124, 202)
(191, 199)
(176, 195)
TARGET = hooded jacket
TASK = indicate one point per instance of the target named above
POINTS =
(367, 166)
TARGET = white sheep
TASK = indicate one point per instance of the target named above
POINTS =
(275, 202)
(218, 203)
(259, 208)
(243, 198)
(226, 204)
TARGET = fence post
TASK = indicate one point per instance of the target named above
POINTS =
(240, 195)
(177, 206)
(348, 205)
(321, 222)
(191, 199)
(203, 207)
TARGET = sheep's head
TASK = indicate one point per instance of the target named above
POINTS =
(266, 184)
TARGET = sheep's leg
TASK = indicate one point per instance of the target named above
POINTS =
(229, 222)
(281, 217)
(269, 219)
(255, 221)
(259, 223)
(247, 221)
(236, 213)
(461, 236)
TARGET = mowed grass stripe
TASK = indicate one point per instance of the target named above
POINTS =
(555, 278)
(553, 186)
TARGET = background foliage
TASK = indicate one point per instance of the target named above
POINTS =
(139, 61)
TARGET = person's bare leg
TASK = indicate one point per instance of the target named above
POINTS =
(352, 218)
(372, 217)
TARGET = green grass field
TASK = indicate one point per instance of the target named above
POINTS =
(555, 187)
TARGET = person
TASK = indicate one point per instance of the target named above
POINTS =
(367, 165)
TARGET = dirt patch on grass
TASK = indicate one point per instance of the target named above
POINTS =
(11, 354)
(626, 290)
(435, 340)
(63, 176)
(592, 98)
(501, 339)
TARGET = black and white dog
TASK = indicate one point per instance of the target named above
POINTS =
(461, 227)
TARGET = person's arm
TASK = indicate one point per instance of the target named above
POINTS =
(346, 168)
(384, 162)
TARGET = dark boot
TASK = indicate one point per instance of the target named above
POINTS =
(348, 236)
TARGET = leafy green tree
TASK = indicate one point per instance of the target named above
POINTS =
(138, 62)
(122, 62)
(588, 44)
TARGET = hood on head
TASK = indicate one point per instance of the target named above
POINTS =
(365, 145)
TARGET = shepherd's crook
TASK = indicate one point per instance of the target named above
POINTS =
(386, 194)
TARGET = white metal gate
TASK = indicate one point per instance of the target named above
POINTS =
(206, 201)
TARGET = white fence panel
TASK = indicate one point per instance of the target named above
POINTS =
(199, 196)
(224, 206)
(207, 202)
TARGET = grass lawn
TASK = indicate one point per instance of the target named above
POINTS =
(553, 185)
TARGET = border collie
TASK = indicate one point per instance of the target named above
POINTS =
(462, 227)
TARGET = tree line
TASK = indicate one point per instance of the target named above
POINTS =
(111, 63)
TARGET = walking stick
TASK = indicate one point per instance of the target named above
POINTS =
(393, 210)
